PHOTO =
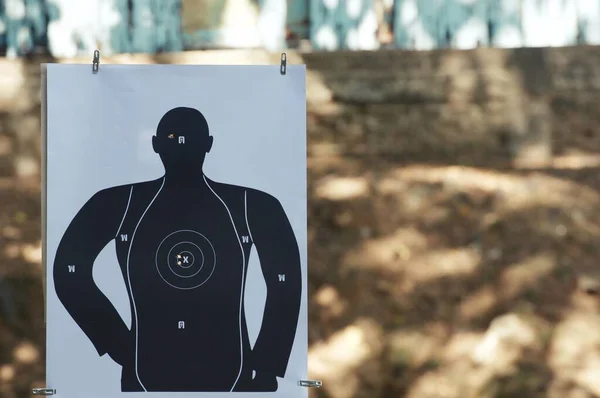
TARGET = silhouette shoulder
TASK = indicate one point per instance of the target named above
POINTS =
(109, 197)
(264, 206)
(113, 192)
(261, 198)
(114, 198)
(254, 197)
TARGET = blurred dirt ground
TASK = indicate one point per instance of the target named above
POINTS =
(453, 223)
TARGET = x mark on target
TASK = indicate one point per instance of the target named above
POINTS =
(182, 259)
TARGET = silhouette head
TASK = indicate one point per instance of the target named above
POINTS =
(182, 140)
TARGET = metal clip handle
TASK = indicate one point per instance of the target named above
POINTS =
(283, 65)
(310, 383)
(43, 391)
(96, 62)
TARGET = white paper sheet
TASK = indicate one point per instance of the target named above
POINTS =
(166, 247)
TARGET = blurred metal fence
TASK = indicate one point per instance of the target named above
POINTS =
(67, 28)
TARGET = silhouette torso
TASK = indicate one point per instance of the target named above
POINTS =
(183, 252)
(183, 249)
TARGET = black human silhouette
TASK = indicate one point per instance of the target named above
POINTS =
(183, 243)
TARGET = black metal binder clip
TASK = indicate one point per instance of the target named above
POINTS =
(44, 391)
(96, 62)
(310, 383)
(283, 66)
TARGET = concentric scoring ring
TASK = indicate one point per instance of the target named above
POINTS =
(185, 259)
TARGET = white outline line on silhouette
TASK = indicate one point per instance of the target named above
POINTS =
(246, 215)
(130, 288)
(124, 214)
(242, 283)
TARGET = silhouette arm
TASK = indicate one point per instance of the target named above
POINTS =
(94, 226)
(279, 256)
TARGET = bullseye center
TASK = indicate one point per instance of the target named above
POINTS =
(185, 259)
